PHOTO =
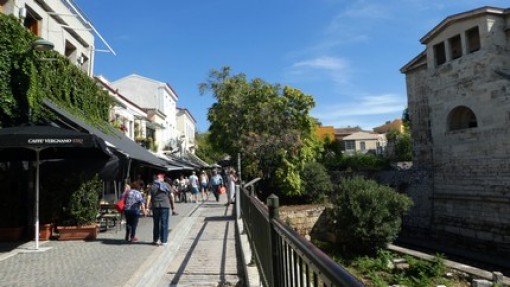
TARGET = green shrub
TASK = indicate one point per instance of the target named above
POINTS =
(316, 183)
(84, 202)
(368, 215)
(363, 162)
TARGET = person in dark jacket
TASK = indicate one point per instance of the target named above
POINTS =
(159, 203)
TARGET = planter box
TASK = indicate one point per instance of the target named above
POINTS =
(81, 232)
(10, 234)
(45, 232)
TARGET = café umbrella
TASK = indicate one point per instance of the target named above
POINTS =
(36, 143)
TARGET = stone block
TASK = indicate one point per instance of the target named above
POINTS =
(481, 283)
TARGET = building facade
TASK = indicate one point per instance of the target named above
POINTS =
(62, 23)
(187, 127)
(160, 100)
(362, 142)
(459, 109)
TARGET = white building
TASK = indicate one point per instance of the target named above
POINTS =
(187, 126)
(159, 100)
(130, 118)
(362, 142)
(60, 22)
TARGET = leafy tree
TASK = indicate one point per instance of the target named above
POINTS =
(317, 185)
(205, 149)
(331, 153)
(401, 143)
(368, 215)
(268, 124)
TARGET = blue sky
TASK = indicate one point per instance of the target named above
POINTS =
(345, 53)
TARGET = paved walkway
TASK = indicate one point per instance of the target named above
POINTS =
(201, 252)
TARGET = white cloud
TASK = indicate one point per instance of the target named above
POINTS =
(365, 111)
(320, 68)
(366, 105)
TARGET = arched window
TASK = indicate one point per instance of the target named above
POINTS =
(461, 118)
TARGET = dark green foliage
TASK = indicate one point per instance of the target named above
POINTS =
(403, 148)
(331, 154)
(368, 215)
(205, 149)
(363, 162)
(84, 202)
(27, 76)
(316, 183)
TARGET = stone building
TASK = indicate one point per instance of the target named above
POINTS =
(459, 106)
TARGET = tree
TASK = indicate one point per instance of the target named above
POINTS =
(268, 124)
(317, 185)
(205, 149)
(331, 153)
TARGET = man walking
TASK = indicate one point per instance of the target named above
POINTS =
(159, 203)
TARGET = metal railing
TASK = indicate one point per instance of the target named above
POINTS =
(284, 258)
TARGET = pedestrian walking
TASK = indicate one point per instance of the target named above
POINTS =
(160, 205)
(204, 183)
(133, 203)
(216, 183)
(193, 181)
(232, 179)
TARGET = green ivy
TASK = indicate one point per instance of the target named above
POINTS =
(27, 77)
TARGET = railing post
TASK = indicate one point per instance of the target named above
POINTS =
(273, 205)
(238, 201)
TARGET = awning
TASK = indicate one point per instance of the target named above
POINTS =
(114, 138)
(171, 164)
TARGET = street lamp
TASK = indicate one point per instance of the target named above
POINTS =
(38, 45)
(42, 45)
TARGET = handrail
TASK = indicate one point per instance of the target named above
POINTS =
(285, 258)
(316, 256)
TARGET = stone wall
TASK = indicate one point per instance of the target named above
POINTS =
(308, 220)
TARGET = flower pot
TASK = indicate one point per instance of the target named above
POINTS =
(10, 234)
(79, 232)
(45, 232)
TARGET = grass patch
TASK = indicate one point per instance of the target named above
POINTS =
(387, 268)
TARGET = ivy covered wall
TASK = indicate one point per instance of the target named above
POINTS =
(28, 76)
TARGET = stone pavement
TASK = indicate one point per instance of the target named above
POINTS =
(201, 252)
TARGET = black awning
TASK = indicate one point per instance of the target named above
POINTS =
(114, 137)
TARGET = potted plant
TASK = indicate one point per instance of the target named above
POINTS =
(82, 211)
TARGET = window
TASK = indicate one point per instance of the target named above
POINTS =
(32, 22)
(362, 146)
(455, 47)
(473, 40)
(439, 54)
(461, 118)
(70, 51)
(349, 145)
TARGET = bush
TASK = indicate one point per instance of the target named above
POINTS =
(84, 202)
(364, 162)
(316, 183)
(368, 215)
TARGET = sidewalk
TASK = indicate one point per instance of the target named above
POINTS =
(201, 252)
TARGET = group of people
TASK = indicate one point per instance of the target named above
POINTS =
(160, 199)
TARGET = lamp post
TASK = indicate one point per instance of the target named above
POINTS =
(42, 45)
(38, 45)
